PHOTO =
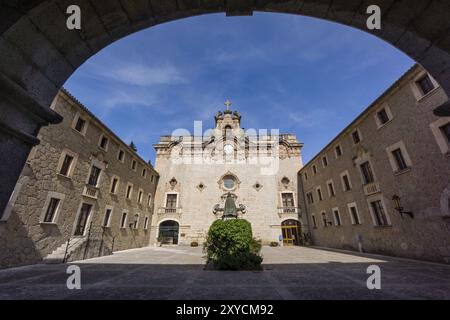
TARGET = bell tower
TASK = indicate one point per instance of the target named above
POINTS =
(228, 120)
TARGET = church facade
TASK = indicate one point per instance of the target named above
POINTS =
(227, 172)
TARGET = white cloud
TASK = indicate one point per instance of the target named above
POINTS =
(244, 53)
(138, 74)
(142, 75)
(126, 98)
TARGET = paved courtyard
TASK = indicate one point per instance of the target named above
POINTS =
(177, 273)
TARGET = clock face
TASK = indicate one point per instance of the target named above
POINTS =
(228, 149)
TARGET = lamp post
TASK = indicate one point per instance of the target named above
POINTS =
(399, 208)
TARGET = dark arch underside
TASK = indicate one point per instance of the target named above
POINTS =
(38, 53)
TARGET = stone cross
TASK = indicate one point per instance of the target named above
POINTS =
(228, 104)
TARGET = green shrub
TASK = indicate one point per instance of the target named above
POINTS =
(239, 261)
(230, 246)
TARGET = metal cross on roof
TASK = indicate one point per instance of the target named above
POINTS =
(228, 104)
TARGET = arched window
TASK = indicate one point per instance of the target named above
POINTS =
(227, 131)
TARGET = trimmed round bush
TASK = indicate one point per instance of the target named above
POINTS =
(230, 246)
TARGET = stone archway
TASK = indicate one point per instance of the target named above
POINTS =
(168, 232)
(38, 53)
(291, 231)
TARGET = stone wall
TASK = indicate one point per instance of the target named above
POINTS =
(24, 239)
(424, 188)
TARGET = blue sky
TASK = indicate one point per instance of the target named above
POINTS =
(297, 74)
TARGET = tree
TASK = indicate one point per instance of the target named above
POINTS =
(133, 146)
(230, 246)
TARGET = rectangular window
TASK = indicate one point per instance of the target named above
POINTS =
(446, 131)
(136, 221)
(94, 176)
(133, 165)
(104, 143)
(121, 156)
(114, 185)
(346, 181)
(65, 168)
(171, 201)
(80, 124)
(325, 161)
(51, 210)
(306, 176)
(383, 117)
(319, 194)
(310, 198)
(123, 221)
(338, 151)
(331, 189)
(314, 221)
(324, 220)
(144, 173)
(367, 173)
(315, 169)
(129, 191)
(399, 159)
(356, 137)
(354, 215)
(107, 218)
(288, 200)
(149, 200)
(146, 223)
(337, 218)
(379, 213)
(140, 195)
(425, 84)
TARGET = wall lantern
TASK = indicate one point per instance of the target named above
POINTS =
(133, 225)
(399, 208)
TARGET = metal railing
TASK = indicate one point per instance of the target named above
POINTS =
(169, 210)
(98, 242)
(288, 210)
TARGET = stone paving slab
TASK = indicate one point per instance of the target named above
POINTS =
(178, 273)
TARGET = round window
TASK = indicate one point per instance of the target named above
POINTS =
(229, 182)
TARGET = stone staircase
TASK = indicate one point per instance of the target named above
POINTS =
(57, 256)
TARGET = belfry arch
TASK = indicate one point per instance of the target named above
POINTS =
(38, 53)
